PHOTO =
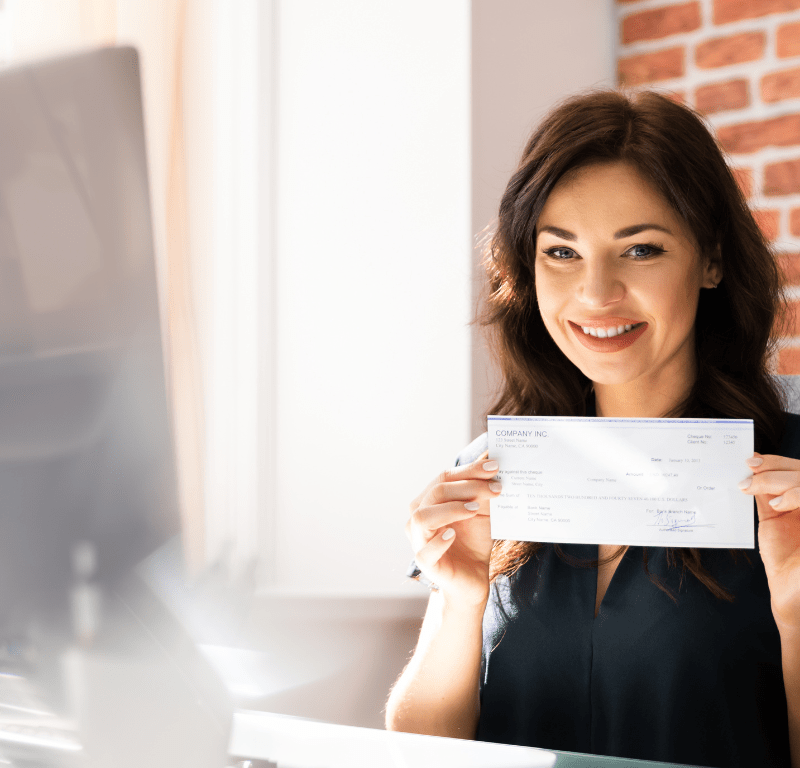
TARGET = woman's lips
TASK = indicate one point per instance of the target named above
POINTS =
(612, 344)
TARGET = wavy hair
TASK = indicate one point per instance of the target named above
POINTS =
(735, 325)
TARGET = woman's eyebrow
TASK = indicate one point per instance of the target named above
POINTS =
(637, 228)
(565, 234)
(558, 232)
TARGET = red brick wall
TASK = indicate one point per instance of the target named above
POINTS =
(738, 63)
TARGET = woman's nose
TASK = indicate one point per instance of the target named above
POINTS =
(601, 285)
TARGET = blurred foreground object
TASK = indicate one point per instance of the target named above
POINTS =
(87, 476)
(86, 459)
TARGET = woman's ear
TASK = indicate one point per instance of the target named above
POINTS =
(713, 269)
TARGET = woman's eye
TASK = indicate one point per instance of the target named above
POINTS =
(642, 251)
(560, 253)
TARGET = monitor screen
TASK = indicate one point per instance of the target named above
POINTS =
(87, 478)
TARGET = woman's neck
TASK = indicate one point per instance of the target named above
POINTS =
(636, 401)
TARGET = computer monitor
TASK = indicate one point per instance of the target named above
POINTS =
(88, 489)
(86, 458)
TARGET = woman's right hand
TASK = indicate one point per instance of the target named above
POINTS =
(449, 530)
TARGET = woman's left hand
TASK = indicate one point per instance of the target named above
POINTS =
(776, 487)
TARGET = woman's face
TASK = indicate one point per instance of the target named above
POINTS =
(618, 277)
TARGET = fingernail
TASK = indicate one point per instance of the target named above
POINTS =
(774, 502)
(754, 462)
(448, 534)
(495, 487)
(472, 506)
(491, 466)
(745, 484)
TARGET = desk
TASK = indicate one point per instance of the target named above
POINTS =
(294, 742)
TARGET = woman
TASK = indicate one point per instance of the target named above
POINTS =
(628, 278)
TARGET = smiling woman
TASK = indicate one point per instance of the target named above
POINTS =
(627, 279)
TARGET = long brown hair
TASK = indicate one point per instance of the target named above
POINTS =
(670, 146)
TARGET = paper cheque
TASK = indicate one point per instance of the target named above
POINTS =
(656, 482)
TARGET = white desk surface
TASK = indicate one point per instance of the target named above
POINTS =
(294, 742)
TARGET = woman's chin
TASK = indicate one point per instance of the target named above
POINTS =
(608, 375)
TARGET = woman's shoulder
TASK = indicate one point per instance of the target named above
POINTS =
(478, 446)
(790, 446)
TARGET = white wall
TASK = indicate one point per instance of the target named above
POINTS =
(373, 276)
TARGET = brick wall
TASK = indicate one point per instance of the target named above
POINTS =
(738, 63)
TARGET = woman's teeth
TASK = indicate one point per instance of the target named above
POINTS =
(606, 333)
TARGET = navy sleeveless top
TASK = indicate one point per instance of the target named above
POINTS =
(696, 681)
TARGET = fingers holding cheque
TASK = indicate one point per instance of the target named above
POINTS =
(776, 477)
(776, 486)
(449, 529)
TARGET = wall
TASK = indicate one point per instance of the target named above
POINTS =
(372, 281)
(738, 63)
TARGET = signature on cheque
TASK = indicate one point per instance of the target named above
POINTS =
(674, 519)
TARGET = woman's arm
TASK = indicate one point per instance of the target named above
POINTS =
(437, 693)
(790, 657)
(776, 487)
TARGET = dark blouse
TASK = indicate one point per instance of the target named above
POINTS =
(698, 681)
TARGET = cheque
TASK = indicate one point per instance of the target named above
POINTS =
(650, 482)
